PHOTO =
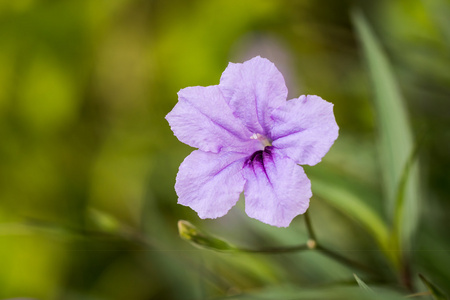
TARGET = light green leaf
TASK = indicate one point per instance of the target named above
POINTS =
(439, 11)
(329, 188)
(396, 141)
(400, 197)
(362, 284)
(103, 221)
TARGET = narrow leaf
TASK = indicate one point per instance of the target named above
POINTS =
(343, 198)
(400, 198)
(434, 290)
(362, 284)
(439, 11)
(394, 130)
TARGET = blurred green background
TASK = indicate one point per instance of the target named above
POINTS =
(88, 163)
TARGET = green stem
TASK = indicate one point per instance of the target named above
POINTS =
(312, 244)
(276, 250)
(311, 234)
(344, 260)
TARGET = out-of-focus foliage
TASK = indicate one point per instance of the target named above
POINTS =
(88, 163)
(362, 284)
(434, 291)
(396, 143)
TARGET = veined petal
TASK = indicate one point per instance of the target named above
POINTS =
(210, 183)
(253, 90)
(276, 190)
(304, 129)
(202, 119)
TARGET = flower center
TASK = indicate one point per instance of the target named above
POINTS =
(263, 140)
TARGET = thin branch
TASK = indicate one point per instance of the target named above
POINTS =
(344, 260)
(275, 250)
(311, 234)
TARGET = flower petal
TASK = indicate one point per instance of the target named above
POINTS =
(210, 183)
(253, 89)
(276, 190)
(202, 119)
(304, 129)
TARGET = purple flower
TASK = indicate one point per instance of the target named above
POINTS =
(250, 138)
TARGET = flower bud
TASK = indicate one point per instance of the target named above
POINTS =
(201, 239)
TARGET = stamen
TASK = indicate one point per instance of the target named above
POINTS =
(255, 136)
(264, 140)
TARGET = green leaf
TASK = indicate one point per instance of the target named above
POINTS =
(400, 198)
(434, 290)
(439, 11)
(396, 141)
(335, 292)
(332, 190)
(362, 284)
(103, 221)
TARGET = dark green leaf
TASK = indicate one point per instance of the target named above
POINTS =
(435, 291)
